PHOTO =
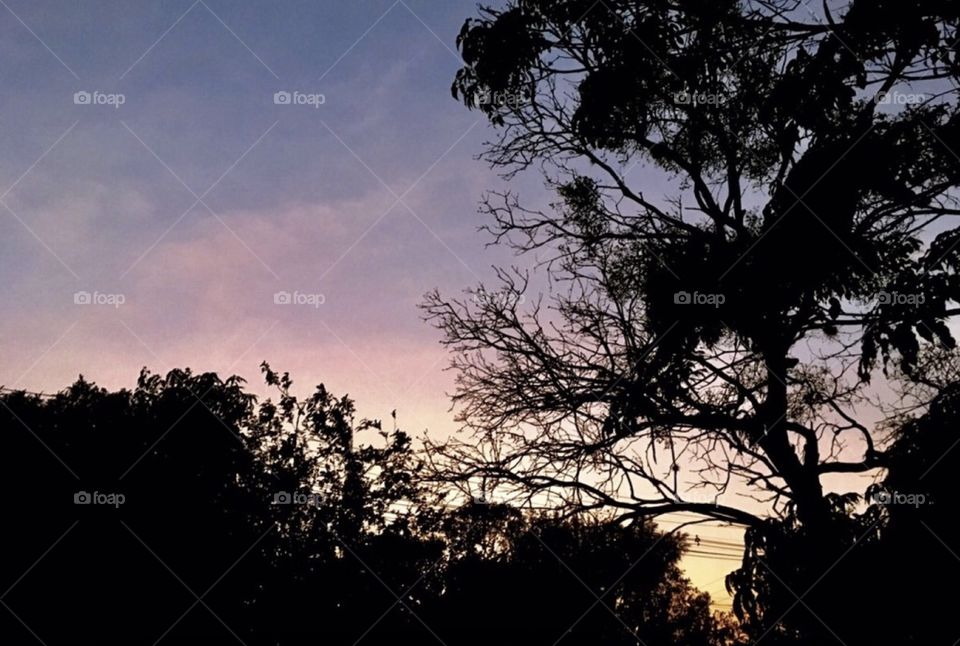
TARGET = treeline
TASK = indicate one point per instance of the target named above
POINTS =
(188, 511)
(883, 572)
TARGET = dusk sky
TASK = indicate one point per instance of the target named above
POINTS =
(183, 190)
(211, 185)
(179, 195)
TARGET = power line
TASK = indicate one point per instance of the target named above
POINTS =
(4, 389)
(713, 556)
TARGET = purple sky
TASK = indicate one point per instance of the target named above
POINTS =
(199, 198)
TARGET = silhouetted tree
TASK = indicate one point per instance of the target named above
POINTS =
(725, 343)
(713, 324)
(120, 569)
(544, 580)
(187, 511)
(889, 590)
(353, 543)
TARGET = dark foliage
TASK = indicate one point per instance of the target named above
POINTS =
(288, 522)
(879, 579)
(720, 319)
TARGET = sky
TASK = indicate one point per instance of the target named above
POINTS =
(147, 159)
(213, 184)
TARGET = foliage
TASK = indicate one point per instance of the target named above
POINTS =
(283, 521)
(713, 318)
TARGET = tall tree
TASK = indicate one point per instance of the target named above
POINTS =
(905, 541)
(714, 320)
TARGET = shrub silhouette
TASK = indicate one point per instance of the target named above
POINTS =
(188, 511)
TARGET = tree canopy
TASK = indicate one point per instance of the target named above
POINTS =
(187, 510)
(752, 245)
(728, 328)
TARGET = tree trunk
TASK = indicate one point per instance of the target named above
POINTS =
(803, 482)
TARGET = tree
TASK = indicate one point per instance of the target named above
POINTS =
(542, 579)
(292, 522)
(126, 502)
(904, 541)
(355, 528)
(711, 327)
